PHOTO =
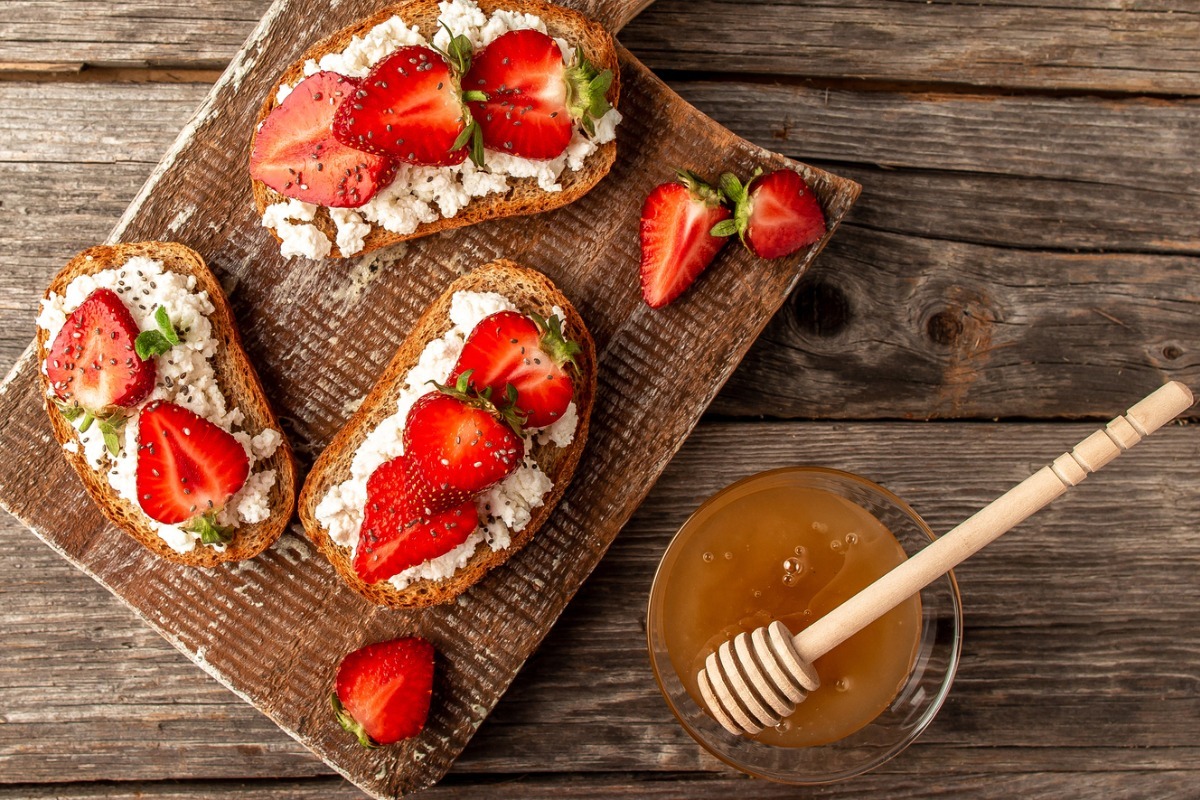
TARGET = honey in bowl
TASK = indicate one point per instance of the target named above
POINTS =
(791, 554)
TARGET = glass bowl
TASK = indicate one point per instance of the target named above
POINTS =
(909, 713)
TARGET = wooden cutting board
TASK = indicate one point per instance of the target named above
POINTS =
(273, 629)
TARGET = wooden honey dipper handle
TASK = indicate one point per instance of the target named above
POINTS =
(1007, 511)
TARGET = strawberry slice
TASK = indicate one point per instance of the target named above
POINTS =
(382, 692)
(533, 97)
(775, 216)
(458, 444)
(397, 533)
(409, 107)
(296, 154)
(676, 240)
(92, 364)
(528, 353)
(187, 467)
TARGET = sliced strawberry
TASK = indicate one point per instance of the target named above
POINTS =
(677, 243)
(296, 154)
(409, 107)
(92, 363)
(776, 215)
(457, 445)
(187, 467)
(397, 533)
(528, 353)
(383, 690)
(533, 97)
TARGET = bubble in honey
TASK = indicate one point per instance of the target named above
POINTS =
(789, 579)
(708, 557)
(851, 538)
(792, 565)
(808, 612)
(784, 726)
(836, 545)
(842, 685)
(799, 550)
(728, 556)
(757, 594)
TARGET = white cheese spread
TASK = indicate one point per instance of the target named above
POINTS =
(185, 376)
(504, 509)
(420, 195)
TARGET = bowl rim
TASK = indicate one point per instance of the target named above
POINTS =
(938, 699)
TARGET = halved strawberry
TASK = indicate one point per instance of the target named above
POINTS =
(383, 690)
(409, 107)
(397, 533)
(528, 353)
(776, 215)
(533, 97)
(187, 467)
(676, 241)
(92, 364)
(296, 154)
(458, 444)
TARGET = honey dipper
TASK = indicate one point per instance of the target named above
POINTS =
(756, 679)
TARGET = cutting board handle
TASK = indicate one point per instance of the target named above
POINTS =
(612, 14)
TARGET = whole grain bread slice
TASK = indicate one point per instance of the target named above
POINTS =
(238, 381)
(531, 292)
(523, 196)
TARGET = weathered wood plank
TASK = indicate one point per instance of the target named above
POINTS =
(1091, 603)
(1088, 45)
(1163, 785)
(961, 169)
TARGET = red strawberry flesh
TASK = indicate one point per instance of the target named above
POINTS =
(397, 533)
(524, 77)
(784, 215)
(383, 690)
(296, 154)
(676, 241)
(456, 450)
(92, 362)
(509, 348)
(186, 465)
(409, 107)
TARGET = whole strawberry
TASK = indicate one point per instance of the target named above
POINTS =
(677, 243)
(776, 215)
(383, 691)
(528, 353)
(458, 443)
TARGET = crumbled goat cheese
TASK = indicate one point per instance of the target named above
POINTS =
(185, 376)
(505, 508)
(421, 195)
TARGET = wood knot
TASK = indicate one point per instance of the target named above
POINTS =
(1172, 352)
(822, 309)
(945, 327)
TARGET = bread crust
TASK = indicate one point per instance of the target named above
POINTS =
(524, 196)
(531, 292)
(238, 381)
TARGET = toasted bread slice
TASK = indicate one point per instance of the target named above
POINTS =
(531, 292)
(523, 196)
(238, 381)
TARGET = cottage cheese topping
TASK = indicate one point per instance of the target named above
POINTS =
(420, 195)
(504, 509)
(185, 376)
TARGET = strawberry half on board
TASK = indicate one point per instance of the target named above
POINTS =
(411, 107)
(397, 533)
(775, 216)
(296, 154)
(677, 243)
(533, 97)
(383, 691)
(528, 353)
(93, 366)
(459, 444)
(187, 469)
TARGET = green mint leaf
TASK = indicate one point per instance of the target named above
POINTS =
(149, 344)
(165, 326)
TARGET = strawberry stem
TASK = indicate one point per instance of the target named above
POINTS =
(587, 90)
(350, 723)
(560, 349)
(210, 532)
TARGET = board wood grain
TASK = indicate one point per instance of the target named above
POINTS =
(273, 629)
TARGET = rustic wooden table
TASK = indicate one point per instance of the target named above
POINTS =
(1024, 255)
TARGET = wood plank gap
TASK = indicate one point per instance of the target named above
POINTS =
(87, 73)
